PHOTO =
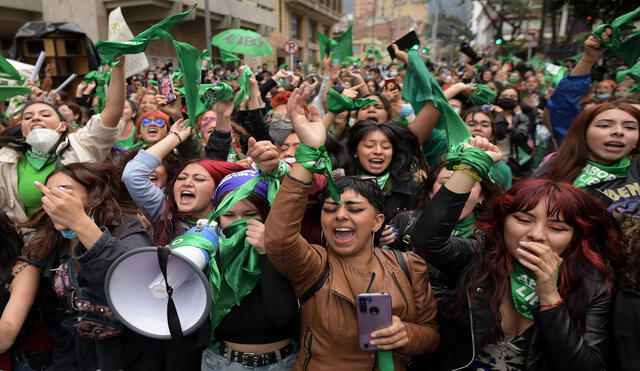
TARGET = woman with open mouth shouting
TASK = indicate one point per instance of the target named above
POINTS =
(327, 279)
(152, 126)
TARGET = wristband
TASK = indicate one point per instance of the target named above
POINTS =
(544, 307)
(469, 172)
(177, 135)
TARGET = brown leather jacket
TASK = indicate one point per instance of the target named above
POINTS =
(329, 327)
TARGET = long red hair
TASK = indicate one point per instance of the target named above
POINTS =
(164, 228)
(595, 247)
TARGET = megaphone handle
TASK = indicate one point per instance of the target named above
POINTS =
(172, 314)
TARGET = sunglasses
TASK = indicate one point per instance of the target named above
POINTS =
(275, 116)
(157, 122)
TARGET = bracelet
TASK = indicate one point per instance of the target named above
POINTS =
(589, 60)
(470, 173)
(177, 135)
(544, 307)
(308, 184)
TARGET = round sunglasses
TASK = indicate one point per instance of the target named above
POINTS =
(157, 122)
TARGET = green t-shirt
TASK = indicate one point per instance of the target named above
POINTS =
(128, 144)
(29, 194)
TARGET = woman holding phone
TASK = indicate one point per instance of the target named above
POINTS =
(350, 265)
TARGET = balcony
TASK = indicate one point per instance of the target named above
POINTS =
(316, 9)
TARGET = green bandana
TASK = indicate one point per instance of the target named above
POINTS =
(373, 51)
(110, 51)
(477, 158)
(337, 102)
(237, 273)
(594, 173)
(317, 160)
(622, 23)
(176, 77)
(232, 156)
(7, 91)
(523, 290)
(420, 87)
(228, 57)
(483, 95)
(7, 71)
(38, 159)
(339, 49)
(102, 80)
(189, 61)
(465, 227)
(382, 180)
(244, 87)
(385, 360)
(205, 55)
(247, 188)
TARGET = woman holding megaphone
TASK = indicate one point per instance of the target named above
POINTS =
(86, 222)
(254, 312)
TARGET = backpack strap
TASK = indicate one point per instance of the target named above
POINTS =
(316, 285)
(403, 263)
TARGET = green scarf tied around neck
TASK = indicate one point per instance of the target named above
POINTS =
(484, 95)
(101, 78)
(594, 173)
(188, 56)
(244, 87)
(420, 87)
(236, 274)
(337, 102)
(317, 160)
(523, 290)
(382, 180)
(465, 227)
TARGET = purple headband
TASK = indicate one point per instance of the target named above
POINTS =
(235, 180)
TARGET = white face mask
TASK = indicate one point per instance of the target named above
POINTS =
(352, 121)
(42, 139)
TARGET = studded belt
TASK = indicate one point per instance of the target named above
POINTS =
(257, 360)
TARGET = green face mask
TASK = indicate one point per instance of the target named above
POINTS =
(514, 80)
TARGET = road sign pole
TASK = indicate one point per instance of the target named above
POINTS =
(529, 49)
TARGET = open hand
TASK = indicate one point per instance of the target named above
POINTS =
(311, 133)
(179, 128)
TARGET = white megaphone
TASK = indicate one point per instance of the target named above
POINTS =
(137, 292)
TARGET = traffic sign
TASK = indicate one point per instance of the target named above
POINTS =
(291, 47)
(531, 35)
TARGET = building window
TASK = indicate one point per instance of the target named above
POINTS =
(295, 24)
(311, 32)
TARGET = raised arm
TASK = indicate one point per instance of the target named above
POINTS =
(114, 105)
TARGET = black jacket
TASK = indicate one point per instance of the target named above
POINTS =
(556, 343)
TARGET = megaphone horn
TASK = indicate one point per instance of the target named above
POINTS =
(137, 292)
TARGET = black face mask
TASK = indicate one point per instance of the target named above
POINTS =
(506, 103)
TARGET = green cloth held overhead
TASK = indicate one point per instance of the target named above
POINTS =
(317, 160)
(228, 57)
(236, 275)
(110, 51)
(633, 72)
(212, 93)
(420, 87)
(176, 76)
(7, 71)
(373, 51)
(617, 26)
(339, 49)
(337, 102)
(7, 91)
(536, 62)
(555, 73)
(283, 66)
(244, 87)
(189, 62)
(102, 80)
(629, 52)
(483, 95)
(205, 55)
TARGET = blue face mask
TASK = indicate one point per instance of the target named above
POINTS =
(406, 110)
(603, 96)
(68, 234)
(393, 73)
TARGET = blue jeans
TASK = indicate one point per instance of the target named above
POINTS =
(212, 361)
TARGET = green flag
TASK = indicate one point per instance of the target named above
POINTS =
(228, 57)
(339, 49)
(629, 52)
(617, 27)
(420, 87)
(483, 95)
(536, 62)
(205, 55)
(7, 71)
(8, 91)
(110, 50)
(189, 61)
(555, 72)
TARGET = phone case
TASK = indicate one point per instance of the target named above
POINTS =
(166, 88)
(407, 41)
(374, 313)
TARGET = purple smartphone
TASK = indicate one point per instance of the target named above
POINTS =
(166, 88)
(374, 313)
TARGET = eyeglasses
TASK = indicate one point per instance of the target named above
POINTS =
(157, 122)
(276, 116)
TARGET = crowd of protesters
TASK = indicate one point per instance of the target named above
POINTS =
(517, 249)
